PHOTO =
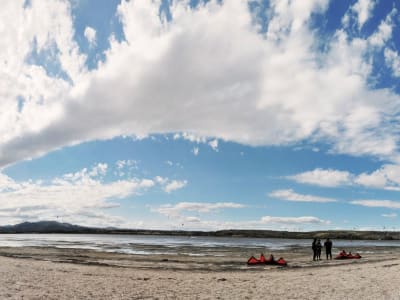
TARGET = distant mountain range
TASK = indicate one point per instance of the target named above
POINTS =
(57, 227)
(43, 227)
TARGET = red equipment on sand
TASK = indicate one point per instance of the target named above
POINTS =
(344, 255)
(263, 261)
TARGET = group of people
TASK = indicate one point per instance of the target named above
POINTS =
(317, 249)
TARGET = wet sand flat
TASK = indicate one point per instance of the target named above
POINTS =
(51, 273)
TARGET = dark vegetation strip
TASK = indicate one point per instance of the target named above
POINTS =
(57, 227)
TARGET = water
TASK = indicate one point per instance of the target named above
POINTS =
(150, 244)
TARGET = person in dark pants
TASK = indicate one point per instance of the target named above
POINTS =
(314, 249)
(319, 249)
(328, 248)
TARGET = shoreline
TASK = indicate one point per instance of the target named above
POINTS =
(231, 261)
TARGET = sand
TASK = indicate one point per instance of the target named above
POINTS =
(49, 273)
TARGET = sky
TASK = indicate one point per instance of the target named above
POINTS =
(201, 114)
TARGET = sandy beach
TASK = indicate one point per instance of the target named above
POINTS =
(51, 273)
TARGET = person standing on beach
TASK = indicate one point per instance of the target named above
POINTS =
(319, 249)
(314, 249)
(328, 248)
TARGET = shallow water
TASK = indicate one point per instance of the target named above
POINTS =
(152, 245)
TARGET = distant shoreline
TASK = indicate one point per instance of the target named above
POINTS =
(53, 227)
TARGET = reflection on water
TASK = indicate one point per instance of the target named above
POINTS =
(149, 244)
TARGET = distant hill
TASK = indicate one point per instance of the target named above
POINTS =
(43, 227)
(57, 227)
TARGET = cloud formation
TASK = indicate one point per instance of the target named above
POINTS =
(392, 59)
(293, 220)
(217, 76)
(377, 203)
(321, 177)
(80, 197)
(363, 10)
(391, 215)
(175, 185)
(179, 216)
(386, 177)
(290, 195)
(90, 35)
(199, 207)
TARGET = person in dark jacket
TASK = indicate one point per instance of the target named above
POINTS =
(314, 249)
(328, 248)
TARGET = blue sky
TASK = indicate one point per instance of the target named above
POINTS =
(201, 114)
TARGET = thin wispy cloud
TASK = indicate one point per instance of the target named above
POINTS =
(290, 195)
(200, 207)
(293, 220)
(377, 203)
(175, 185)
(391, 215)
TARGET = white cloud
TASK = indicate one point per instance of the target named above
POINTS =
(195, 151)
(90, 35)
(200, 207)
(129, 163)
(126, 167)
(74, 196)
(376, 179)
(392, 59)
(80, 197)
(266, 223)
(386, 177)
(175, 185)
(192, 219)
(377, 203)
(190, 137)
(293, 220)
(214, 145)
(99, 170)
(323, 177)
(7, 183)
(42, 29)
(363, 9)
(120, 164)
(170, 185)
(161, 180)
(391, 215)
(217, 77)
(384, 32)
(290, 195)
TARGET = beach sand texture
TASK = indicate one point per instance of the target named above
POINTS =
(31, 273)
